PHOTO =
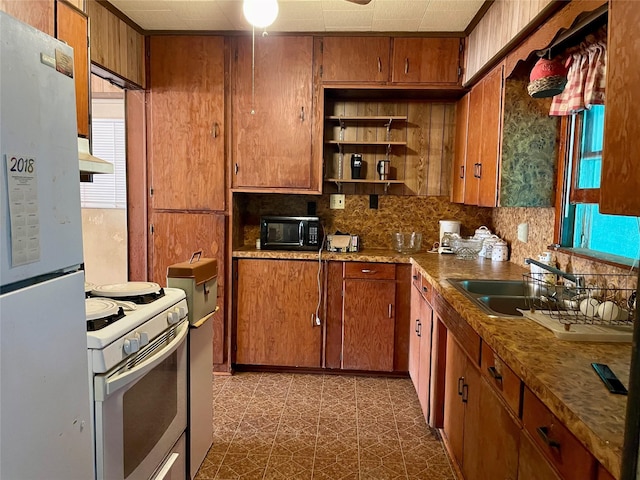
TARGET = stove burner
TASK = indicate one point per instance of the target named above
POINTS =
(144, 298)
(140, 293)
(98, 323)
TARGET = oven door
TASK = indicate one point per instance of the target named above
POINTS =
(282, 233)
(141, 408)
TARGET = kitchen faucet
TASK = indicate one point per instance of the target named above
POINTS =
(579, 281)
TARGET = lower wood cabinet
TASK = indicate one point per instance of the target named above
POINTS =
(532, 465)
(420, 348)
(275, 313)
(369, 299)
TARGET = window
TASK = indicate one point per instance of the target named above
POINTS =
(583, 225)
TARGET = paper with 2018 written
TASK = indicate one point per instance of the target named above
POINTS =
(24, 224)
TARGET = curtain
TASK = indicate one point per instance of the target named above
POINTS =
(586, 77)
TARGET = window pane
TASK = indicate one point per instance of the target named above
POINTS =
(614, 234)
(591, 148)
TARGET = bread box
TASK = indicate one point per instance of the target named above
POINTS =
(198, 277)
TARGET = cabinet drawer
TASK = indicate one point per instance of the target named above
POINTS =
(565, 452)
(426, 290)
(503, 379)
(370, 271)
(416, 277)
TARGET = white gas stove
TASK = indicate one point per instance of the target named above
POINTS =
(136, 338)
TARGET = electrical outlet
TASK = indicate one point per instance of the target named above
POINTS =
(336, 201)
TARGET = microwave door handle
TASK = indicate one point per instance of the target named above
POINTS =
(301, 234)
(116, 382)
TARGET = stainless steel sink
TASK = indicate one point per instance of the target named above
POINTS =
(498, 298)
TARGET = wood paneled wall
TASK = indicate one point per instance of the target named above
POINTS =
(502, 22)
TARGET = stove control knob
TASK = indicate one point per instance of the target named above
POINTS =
(182, 311)
(144, 339)
(173, 316)
(131, 344)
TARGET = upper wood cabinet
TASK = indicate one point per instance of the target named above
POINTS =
(37, 13)
(426, 60)
(458, 172)
(115, 46)
(72, 28)
(273, 112)
(620, 181)
(185, 129)
(277, 328)
(355, 59)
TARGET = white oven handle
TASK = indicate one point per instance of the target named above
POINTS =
(112, 384)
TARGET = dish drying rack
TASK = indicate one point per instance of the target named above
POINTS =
(583, 299)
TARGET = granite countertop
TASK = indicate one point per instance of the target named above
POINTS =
(559, 372)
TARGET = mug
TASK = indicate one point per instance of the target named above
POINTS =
(356, 166)
(383, 169)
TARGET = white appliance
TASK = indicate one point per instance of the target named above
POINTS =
(137, 340)
(451, 227)
(45, 409)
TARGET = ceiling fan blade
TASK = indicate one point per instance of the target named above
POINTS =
(360, 2)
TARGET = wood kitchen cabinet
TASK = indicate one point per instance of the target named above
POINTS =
(462, 396)
(458, 171)
(273, 111)
(277, 328)
(368, 316)
(354, 59)
(483, 141)
(620, 179)
(185, 129)
(37, 13)
(174, 237)
(72, 28)
(426, 61)
(532, 465)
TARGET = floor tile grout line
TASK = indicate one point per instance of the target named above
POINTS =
(246, 407)
(395, 421)
(266, 468)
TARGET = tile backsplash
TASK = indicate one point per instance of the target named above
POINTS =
(375, 226)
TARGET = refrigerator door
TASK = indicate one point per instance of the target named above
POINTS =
(41, 226)
(45, 409)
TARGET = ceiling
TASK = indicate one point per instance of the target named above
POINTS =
(305, 15)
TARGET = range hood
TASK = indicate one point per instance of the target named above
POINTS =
(90, 164)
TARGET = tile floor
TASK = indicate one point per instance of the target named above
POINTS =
(303, 426)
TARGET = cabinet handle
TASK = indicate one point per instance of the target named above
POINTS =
(460, 385)
(419, 331)
(544, 434)
(465, 393)
(462, 171)
(415, 277)
(476, 170)
(302, 114)
(215, 130)
(390, 308)
(479, 170)
(366, 270)
(425, 289)
(417, 322)
(379, 65)
(406, 65)
(235, 169)
(494, 373)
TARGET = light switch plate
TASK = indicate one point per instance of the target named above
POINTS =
(336, 201)
(523, 232)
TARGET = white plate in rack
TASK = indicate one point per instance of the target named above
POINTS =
(581, 332)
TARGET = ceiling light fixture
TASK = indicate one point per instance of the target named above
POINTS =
(260, 13)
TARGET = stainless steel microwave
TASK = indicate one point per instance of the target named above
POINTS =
(290, 233)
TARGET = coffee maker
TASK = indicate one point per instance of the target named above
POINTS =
(448, 230)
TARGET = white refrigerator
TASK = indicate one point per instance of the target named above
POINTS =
(46, 429)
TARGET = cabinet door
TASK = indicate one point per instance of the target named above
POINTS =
(426, 60)
(368, 325)
(278, 328)
(498, 440)
(414, 338)
(174, 238)
(355, 59)
(185, 130)
(531, 462)
(272, 113)
(621, 151)
(490, 138)
(72, 28)
(453, 424)
(37, 13)
(459, 170)
(424, 373)
(474, 139)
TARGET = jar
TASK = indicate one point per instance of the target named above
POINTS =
(482, 233)
(487, 246)
(500, 251)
